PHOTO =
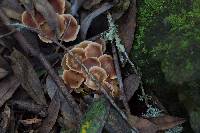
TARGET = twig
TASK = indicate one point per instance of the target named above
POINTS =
(27, 47)
(119, 78)
(7, 34)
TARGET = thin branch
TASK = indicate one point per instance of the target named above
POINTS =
(119, 78)
(28, 47)
(7, 34)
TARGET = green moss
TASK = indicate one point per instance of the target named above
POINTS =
(168, 32)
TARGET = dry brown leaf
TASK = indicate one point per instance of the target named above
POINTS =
(53, 111)
(12, 9)
(127, 26)
(67, 118)
(3, 73)
(27, 76)
(131, 84)
(7, 88)
(85, 24)
(167, 121)
(31, 121)
(145, 126)
(90, 3)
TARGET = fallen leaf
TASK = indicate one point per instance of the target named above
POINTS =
(31, 121)
(29, 106)
(48, 13)
(76, 4)
(94, 119)
(116, 124)
(85, 24)
(67, 114)
(127, 26)
(27, 76)
(167, 121)
(3, 73)
(90, 3)
(145, 126)
(131, 84)
(12, 9)
(5, 119)
(53, 111)
(7, 88)
(4, 64)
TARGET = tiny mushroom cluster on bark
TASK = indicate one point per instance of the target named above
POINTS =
(39, 22)
(100, 65)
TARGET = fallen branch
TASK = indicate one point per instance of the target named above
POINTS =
(119, 78)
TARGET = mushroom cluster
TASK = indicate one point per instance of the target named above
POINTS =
(99, 65)
(38, 21)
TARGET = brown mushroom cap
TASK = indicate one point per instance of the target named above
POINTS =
(83, 44)
(47, 33)
(100, 75)
(72, 26)
(112, 85)
(72, 78)
(28, 20)
(107, 64)
(93, 50)
(71, 63)
(91, 61)
(58, 5)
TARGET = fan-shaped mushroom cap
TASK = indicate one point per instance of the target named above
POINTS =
(72, 78)
(99, 73)
(93, 50)
(83, 44)
(112, 85)
(58, 5)
(28, 20)
(90, 62)
(72, 28)
(47, 33)
(102, 42)
(71, 63)
(107, 64)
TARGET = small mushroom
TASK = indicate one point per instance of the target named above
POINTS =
(107, 64)
(83, 44)
(58, 5)
(48, 34)
(93, 50)
(72, 28)
(28, 20)
(72, 78)
(112, 85)
(71, 62)
(100, 75)
(90, 62)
